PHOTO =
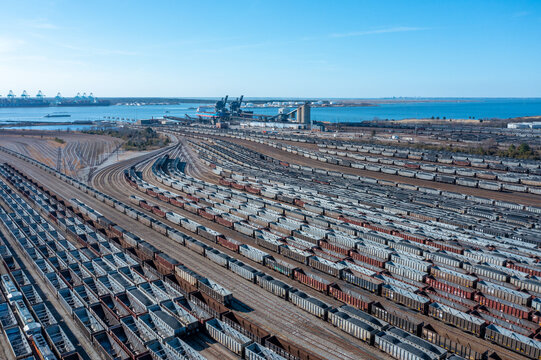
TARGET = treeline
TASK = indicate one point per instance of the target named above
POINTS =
(523, 151)
(134, 139)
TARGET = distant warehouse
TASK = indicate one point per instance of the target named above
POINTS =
(524, 125)
(152, 122)
(273, 125)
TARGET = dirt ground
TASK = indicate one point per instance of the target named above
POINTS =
(78, 152)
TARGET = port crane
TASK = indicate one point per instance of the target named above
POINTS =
(235, 105)
(233, 112)
(220, 107)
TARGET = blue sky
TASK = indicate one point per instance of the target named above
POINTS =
(272, 48)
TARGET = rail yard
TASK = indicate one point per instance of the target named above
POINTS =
(270, 181)
(235, 243)
(74, 154)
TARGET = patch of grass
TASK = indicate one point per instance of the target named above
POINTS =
(134, 139)
(59, 140)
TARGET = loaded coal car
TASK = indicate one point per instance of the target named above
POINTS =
(208, 233)
(363, 281)
(146, 251)
(218, 257)
(513, 341)
(231, 244)
(352, 325)
(159, 226)
(272, 285)
(295, 253)
(280, 266)
(405, 297)
(350, 295)
(310, 304)
(165, 263)
(312, 280)
(243, 270)
(195, 245)
(214, 290)
(461, 320)
(398, 316)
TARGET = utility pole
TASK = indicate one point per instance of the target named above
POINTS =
(59, 159)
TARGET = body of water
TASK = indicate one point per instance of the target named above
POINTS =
(95, 113)
(463, 108)
(74, 127)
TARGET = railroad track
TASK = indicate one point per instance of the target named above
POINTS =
(79, 151)
(444, 330)
(453, 333)
(113, 179)
(318, 342)
(82, 342)
(194, 167)
(314, 147)
(120, 185)
(212, 350)
(521, 198)
(289, 325)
